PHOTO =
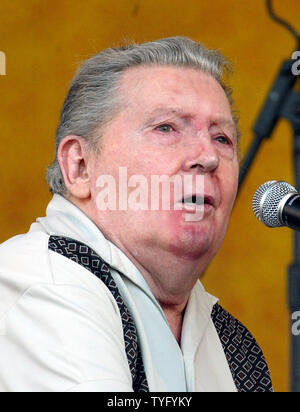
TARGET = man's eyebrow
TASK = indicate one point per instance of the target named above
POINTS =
(225, 122)
(222, 121)
(151, 115)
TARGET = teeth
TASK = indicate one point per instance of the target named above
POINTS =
(193, 200)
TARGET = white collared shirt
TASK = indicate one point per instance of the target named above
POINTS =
(60, 328)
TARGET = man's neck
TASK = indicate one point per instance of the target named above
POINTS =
(171, 281)
(174, 315)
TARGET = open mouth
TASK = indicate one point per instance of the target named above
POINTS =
(197, 200)
(193, 200)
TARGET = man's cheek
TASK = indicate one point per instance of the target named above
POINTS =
(229, 195)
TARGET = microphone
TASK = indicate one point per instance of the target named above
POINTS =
(277, 203)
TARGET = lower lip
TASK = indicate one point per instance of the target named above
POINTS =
(191, 208)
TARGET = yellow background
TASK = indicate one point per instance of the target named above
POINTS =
(44, 41)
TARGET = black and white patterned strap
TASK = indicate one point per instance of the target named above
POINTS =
(90, 260)
(245, 358)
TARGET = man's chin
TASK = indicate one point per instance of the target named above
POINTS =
(191, 246)
(186, 239)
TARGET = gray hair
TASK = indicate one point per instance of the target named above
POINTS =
(92, 99)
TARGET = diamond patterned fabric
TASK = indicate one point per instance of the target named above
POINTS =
(245, 358)
(86, 257)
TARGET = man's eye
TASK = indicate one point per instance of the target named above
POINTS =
(165, 128)
(223, 139)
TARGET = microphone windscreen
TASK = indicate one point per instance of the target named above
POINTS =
(266, 201)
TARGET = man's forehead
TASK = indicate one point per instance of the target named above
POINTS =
(154, 104)
(163, 76)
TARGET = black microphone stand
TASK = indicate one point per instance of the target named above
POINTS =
(291, 112)
(283, 102)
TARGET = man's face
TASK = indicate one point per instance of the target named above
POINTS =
(173, 122)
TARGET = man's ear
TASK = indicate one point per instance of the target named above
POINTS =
(72, 156)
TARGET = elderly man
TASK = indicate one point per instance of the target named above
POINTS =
(103, 294)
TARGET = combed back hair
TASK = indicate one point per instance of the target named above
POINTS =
(92, 99)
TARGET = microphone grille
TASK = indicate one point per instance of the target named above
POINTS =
(266, 201)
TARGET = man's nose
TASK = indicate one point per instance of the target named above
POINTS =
(202, 155)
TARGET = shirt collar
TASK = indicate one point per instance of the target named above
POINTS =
(63, 218)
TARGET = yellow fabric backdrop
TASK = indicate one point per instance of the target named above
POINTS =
(44, 41)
